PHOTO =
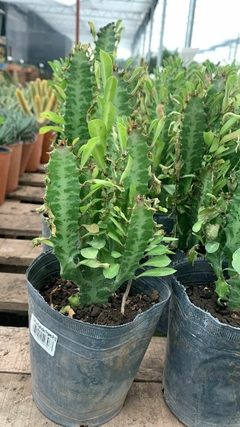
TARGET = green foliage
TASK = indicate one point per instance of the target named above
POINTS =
(100, 218)
(16, 126)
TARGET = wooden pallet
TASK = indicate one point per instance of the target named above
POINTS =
(144, 405)
(19, 222)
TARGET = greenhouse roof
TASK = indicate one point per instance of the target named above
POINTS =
(61, 15)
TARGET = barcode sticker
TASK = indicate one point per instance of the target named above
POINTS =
(44, 337)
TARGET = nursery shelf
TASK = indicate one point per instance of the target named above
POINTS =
(19, 222)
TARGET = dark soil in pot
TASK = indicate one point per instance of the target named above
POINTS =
(205, 297)
(57, 292)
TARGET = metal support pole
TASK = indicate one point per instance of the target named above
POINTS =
(190, 22)
(236, 47)
(144, 40)
(77, 20)
(153, 6)
(160, 50)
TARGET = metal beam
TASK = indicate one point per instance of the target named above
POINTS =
(216, 46)
(151, 31)
(190, 22)
(143, 24)
(160, 49)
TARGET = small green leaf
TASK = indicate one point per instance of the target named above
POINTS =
(128, 63)
(112, 271)
(197, 226)
(108, 115)
(114, 237)
(110, 89)
(227, 126)
(158, 130)
(221, 288)
(88, 149)
(89, 253)
(106, 66)
(122, 134)
(230, 136)
(157, 272)
(92, 263)
(74, 300)
(208, 138)
(157, 261)
(212, 247)
(156, 240)
(119, 227)
(98, 243)
(45, 129)
(135, 73)
(157, 250)
(127, 170)
(53, 117)
(116, 254)
(236, 260)
(41, 240)
(92, 29)
(97, 128)
(92, 228)
(65, 309)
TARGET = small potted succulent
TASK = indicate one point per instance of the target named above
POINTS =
(33, 100)
(202, 361)
(5, 156)
(9, 137)
(101, 226)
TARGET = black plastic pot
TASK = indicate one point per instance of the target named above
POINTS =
(202, 368)
(81, 372)
(166, 221)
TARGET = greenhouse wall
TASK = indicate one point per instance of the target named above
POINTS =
(31, 39)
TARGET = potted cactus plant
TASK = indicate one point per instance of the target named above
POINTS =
(204, 337)
(9, 137)
(101, 225)
(35, 99)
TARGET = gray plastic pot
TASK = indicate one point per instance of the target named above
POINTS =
(202, 367)
(162, 325)
(81, 373)
(45, 232)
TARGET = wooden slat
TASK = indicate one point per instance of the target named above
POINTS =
(17, 252)
(28, 194)
(144, 406)
(21, 225)
(32, 179)
(15, 207)
(14, 350)
(10, 360)
(41, 168)
(13, 293)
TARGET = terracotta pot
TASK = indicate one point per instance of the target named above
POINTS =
(35, 156)
(49, 137)
(26, 152)
(5, 156)
(14, 167)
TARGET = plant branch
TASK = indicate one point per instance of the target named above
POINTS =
(125, 295)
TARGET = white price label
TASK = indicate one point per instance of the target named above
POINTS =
(44, 337)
